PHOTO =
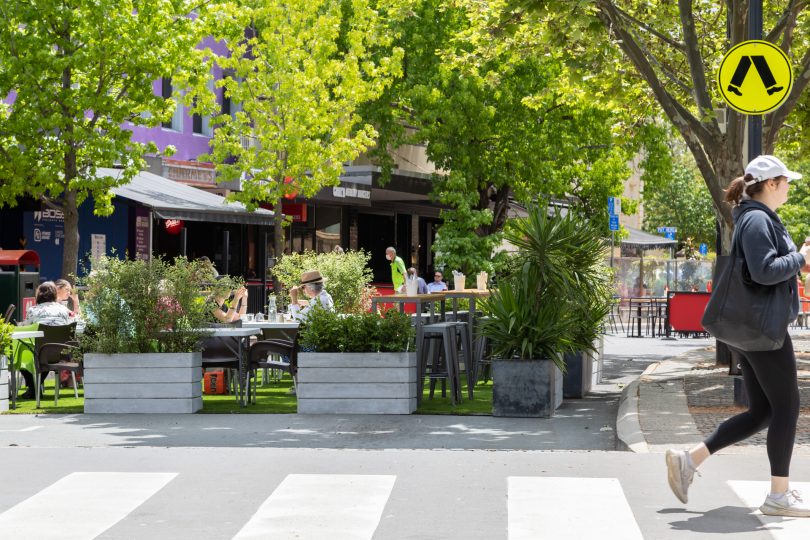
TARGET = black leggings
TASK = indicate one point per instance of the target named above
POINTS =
(773, 398)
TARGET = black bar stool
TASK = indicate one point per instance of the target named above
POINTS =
(447, 333)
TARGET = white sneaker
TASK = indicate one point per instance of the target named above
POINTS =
(680, 473)
(788, 504)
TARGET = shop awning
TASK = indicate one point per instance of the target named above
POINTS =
(643, 240)
(172, 200)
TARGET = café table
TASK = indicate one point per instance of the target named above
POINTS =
(653, 305)
(285, 329)
(420, 300)
(33, 334)
(238, 341)
(472, 295)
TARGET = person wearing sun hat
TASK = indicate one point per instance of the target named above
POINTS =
(311, 283)
(770, 376)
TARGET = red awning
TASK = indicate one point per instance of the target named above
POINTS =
(18, 257)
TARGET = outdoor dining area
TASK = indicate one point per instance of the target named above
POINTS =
(248, 364)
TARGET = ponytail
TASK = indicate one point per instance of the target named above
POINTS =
(737, 187)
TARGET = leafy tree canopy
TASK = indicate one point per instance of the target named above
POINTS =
(75, 76)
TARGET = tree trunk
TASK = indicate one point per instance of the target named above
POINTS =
(278, 232)
(70, 257)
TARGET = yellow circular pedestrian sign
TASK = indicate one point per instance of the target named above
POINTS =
(755, 77)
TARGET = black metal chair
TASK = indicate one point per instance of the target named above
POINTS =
(54, 352)
(9, 313)
(271, 354)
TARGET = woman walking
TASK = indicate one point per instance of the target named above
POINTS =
(770, 376)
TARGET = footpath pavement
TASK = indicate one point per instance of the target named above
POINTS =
(678, 401)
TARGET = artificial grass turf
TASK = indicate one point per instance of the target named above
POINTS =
(274, 398)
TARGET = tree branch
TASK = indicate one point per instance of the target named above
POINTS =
(644, 26)
(696, 66)
(775, 120)
(687, 124)
(786, 24)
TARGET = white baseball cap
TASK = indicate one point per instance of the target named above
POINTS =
(766, 167)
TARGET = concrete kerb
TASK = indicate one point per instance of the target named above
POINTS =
(658, 400)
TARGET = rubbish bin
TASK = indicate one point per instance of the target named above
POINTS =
(19, 277)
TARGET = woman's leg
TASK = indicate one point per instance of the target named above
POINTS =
(755, 419)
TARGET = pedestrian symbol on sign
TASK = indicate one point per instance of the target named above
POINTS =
(762, 89)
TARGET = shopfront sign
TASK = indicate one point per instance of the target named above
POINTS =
(143, 233)
(189, 172)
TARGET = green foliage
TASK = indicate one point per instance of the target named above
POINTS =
(795, 214)
(556, 299)
(81, 73)
(5, 337)
(297, 74)
(683, 202)
(347, 275)
(503, 127)
(149, 306)
(328, 331)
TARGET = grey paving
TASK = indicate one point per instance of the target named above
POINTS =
(438, 494)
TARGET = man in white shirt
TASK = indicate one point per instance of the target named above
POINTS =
(312, 286)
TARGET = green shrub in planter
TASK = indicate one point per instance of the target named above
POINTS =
(129, 305)
(327, 331)
(5, 337)
(555, 300)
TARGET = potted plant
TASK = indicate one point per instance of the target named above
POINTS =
(360, 363)
(5, 348)
(544, 307)
(141, 346)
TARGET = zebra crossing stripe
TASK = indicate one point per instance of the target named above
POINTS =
(318, 506)
(563, 508)
(81, 505)
(781, 528)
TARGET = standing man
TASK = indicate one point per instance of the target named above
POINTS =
(437, 285)
(397, 269)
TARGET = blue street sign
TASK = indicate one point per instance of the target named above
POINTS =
(614, 206)
(670, 235)
(704, 249)
(614, 223)
(667, 230)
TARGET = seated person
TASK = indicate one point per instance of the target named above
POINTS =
(233, 311)
(421, 287)
(46, 311)
(312, 286)
(66, 297)
(437, 285)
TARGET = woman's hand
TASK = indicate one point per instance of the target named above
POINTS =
(805, 251)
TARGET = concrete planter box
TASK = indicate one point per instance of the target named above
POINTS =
(357, 383)
(3, 383)
(143, 383)
(578, 374)
(526, 388)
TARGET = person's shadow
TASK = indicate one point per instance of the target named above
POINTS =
(723, 520)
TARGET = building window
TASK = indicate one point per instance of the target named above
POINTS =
(327, 228)
(201, 124)
(167, 91)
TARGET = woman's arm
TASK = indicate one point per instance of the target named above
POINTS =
(759, 245)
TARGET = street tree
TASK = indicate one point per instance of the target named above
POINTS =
(670, 53)
(75, 76)
(295, 74)
(503, 132)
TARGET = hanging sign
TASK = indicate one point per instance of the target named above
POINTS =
(755, 77)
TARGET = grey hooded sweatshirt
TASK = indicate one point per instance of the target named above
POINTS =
(769, 252)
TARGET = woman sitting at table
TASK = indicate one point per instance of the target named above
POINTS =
(312, 286)
(66, 297)
(46, 311)
(228, 312)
